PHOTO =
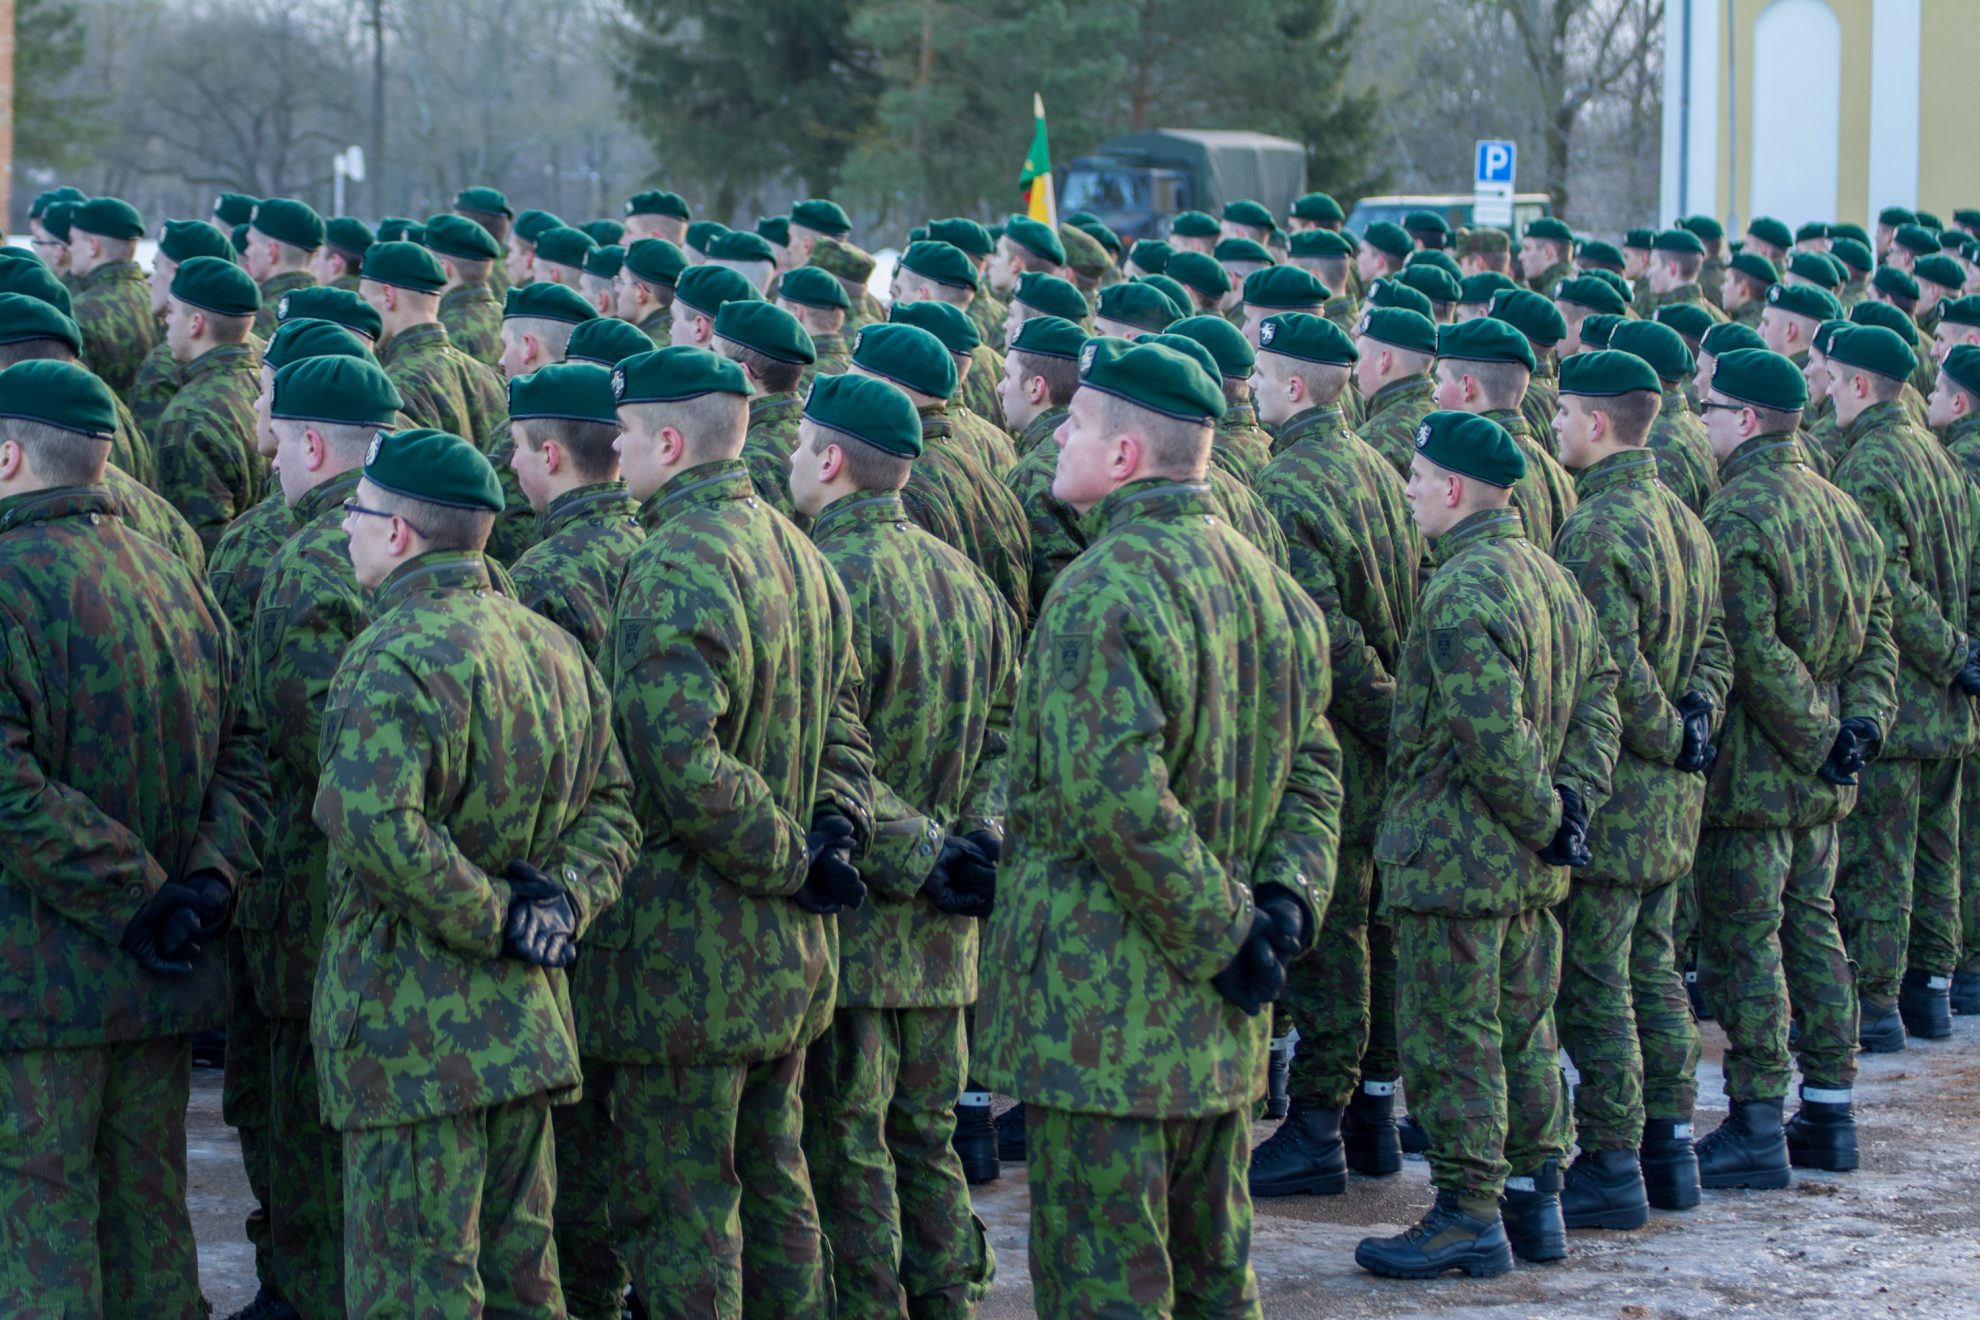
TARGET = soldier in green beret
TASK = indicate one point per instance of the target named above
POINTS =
(1791, 315)
(347, 310)
(1908, 244)
(819, 303)
(528, 227)
(282, 241)
(1576, 300)
(699, 296)
(489, 209)
(111, 304)
(537, 320)
(1440, 287)
(645, 287)
(1677, 438)
(1534, 315)
(159, 376)
(606, 341)
(986, 440)
(1711, 236)
(337, 262)
(773, 350)
(45, 240)
(1026, 246)
(1207, 281)
(936, 271)
(987, 310)
(1194, 231)
(209, 466)
(138, 808)
(1546, 253)
(1330, 257)
(1384, 249)
(1134, 308)
(1677, 257)
(657, 214)
(1395, 349)
(601, 268)
(470, 301)
(1044, 295)
(1939, 277)
(1241, 447)
(560, 255)
(1278, 289)
(443, 387)
(1744, 285)
(1483, 367)
(746, 254)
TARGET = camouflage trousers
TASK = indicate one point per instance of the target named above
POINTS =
(1622, 1013)
(1937, 887)
(1969, 866)
(1901, 841)
(306, 1179)
(1481, 1061)
(1342, 994)
(245, 1098)
(1770, 941)
(713, 1207)
(450, 1216)
(93, 1182)
(593, 1264)
(1140, 1217)
(880, 1091)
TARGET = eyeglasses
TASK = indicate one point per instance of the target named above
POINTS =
(352, 506)
(1708, 406)
(47, 242)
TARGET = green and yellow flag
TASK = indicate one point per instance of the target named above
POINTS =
(1035, 179)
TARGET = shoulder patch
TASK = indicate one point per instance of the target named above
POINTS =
(1072, 655)
(282, 308)
(377, 443)
(1086, 359)
(1443, 644)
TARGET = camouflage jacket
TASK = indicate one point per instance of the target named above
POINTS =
(1543, 397)
(1394, 413)
(1647, 566)
(1962, 441)
(1504, 691)
(1684, 452)
(473, 317)
(659, 327)
(572, 574)
(1545, 495)
(1748, 314)
(499, 282)
(833, 359)
(987, 312)
(978, 391)
(515, 527)
(149, 514)
(1684, 293)
(734, 690)
(1241, 446)
(1821, 437)
(1808, 613)
(1053, 529)
(444, 387)
(1344, 310)
(1355, 548)
(767, 448)
(1712, 280)
(208, 465)
(938, 652)
(1038, 434)
(158, 379)
(130, 448)
(1144, 817)
(241, 557)
(272, 289)
(461, 733)
(127, 763)
(113, 310)
(951, 495)
(1924, 509)
(989, 444)
(1553, 275)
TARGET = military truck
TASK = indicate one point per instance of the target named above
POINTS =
(1137, 183)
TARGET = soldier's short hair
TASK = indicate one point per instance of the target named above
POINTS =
(819, 320)
(1882, 388)
(1772, 421)
(590, 444)
(713, 425)
(1325, 381)
(117, 249)
(867, 466)
(472, 270)
(774, 375)
(347, 440)
(1686, 264)
(1061, 375)
(227, 329)
(1176, 446)
(1630, 415)
(1237, 390)
(57, 456)
(554, 337)
(1332, 271)
(494, 222)
(36, 350)
(1503, 384)
(444, 526)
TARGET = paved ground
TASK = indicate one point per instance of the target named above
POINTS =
(1901, 1236)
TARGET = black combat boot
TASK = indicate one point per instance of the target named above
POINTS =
(975, 1139)
(1965, 996)
(1747, 1150)
(1694, 990)
(1278, 1070)
(1411, 1136)
(1368, 1130)
(268, 1304)
(1879, 1030)
(1303, 1156)
(1670, 1164)
(209, 1050)
(1822, 1134)
(1450, 1237)
(1925, 1005)
(1604, 1189)
(1531, 1209)
(1010, 1135)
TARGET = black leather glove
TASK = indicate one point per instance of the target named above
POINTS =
(1288, 916)
(989, 843)
(161, 936)
(216, 902)
(541, 928)
(963, 881)
(1969, 673)
(1856, 743)
(1698, 753)
(832, 884)
(1257, 975)
(1569, 846)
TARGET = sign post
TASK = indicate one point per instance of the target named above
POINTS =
(1492, 184)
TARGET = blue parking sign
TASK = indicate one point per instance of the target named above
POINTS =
(1495, 162)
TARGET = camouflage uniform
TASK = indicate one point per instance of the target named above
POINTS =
(515, 527)
(990, 445)
(938, 652)
(272, 289)
(1648, 568)
(1504, 691)
(473, 317)
(1822, 437)
(1962, 441)
(208, 466)
(130, 447)
(158, 378)
(659, 327)
(1542, 400)
(1241, 446)
(113, 311)
(1899, 849)
(112, 789)
(571, 575)
(1545, 495)
(1344, 310)
(767, 448)
(1712, 281)
(1141, 823)
(445, 388)
(461, 733)
(733, 689)
(952, 496)
(149, 514)
(987, 312)
(833, 360)
(242, 555)
(1394, 413)
(1553, 275)
(1684, 452)
(978, 391)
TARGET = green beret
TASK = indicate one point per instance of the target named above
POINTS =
(1849, 230)
(1433, 282)
(703, 232)
(741, 245)
(1140, 305)
(1689, 319)
(706, 288)
(433, 467)
(1193, 349)
(1760, 379)
(337, 388)
(234, 208)
(766, 328)
(111, 217)
(1038, 238)
(1471, 446)
(405, 266)
(1228, 347)
(1170, 287)
(1893, 216)
(1587, 291)
(23, 318)
(1152, 255)
(774, 229)
(1244, 211)
(669, 375)
(605, 261)
(1485, 339)
(56, 219)
(835, 256)
(809, 286)
(1083, 252)
(1319, 208)
(1392, 239)
(1912, 238)
(1479, 288)
(1960, 311)
(943, 263)
(182, 240)
(1597, 327)
(1930, 220)
(907, 355)
(401, 229)
(1897, 283)
(1939, 269)
(488, 201)
(1824, 333)
(217, 285)
(58, 394)
(1051, 295)
(1532, 314)
(1101, 234)
(1426, 222)
(1605, 374)
(240, 238)
(1677, 240)
(306, 337)
(1874, 348)
(1399, 327)
(604, 232)
(1815, 267)
(1394, 293)
(1809, 300)
(565, 246)
(1319, 243)
(654, 202)
(1769, 230)
(544, 301)
(1613, 280)
(1754, 266)
(1600, 252)
(1437, 257)
(321, 302)
(1657, 344)
(1201, 272)
(1962, 365)
(607, 341)
(869, 410)
(1967, 217)
(65, 193)
(1194, 224)
(348, 235)
(1051, 336)
(1238, 249)
(658, 261)
(966, 234)
(1549, 229)
(1729, 336)
(1307, 337)
(1290, 288)
(289, 221)
(1640, 239)
(1812, 231)
(1152, 376)
(822, 217)
(1895, 319)
(946, 321)
(564, 391)
(533, 222)
(1705, 227)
